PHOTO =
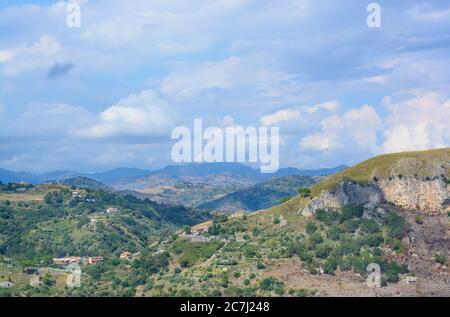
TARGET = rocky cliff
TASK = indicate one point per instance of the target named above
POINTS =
(426, 195)
(410, 180)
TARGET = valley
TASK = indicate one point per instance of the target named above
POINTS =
(392, 210)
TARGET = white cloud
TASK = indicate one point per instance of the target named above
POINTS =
(426, 13)
(50, 121)
(280, 116)
(189, 82)
(30, 56)
(292, 114)
(329, 105)
(356, 130)
(137, 115)
(418, 123)
(258, 73)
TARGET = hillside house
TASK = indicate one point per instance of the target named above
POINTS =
(112, 210)
(126, 255)
(67, 260)
(21, 189)
(237, 214)
(199, 230)
(94, 260)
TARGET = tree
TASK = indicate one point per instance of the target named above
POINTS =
(323, 251)
(285, 199)
(187, 229)
(370, 226)
(315, 239)
(311, 227)
(48, 198)
(304, 192)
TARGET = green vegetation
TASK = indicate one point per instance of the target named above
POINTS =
(304, 192)
(192, 253)
(347, 242)
(255, 255)
(67, 225)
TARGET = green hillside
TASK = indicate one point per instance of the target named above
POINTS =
(76, 222)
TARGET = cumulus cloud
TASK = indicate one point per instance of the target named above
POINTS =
(417, 123)
(329, 105)
(29, 57)
(293, 114)
(280, 116)
(355, 130)
(137, 115)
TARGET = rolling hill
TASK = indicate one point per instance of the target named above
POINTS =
(261, 196)
(86, 183)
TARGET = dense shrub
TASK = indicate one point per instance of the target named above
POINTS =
(315, 239)
(396, 226)
(370, 226)
(323, 250)
(311, 227)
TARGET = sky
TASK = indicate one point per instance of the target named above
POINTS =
(109, 93)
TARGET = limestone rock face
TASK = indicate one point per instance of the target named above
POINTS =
(429, 196)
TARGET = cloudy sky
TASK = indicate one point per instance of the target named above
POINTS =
(109, 93)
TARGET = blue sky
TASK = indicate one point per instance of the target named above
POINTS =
(109, 93)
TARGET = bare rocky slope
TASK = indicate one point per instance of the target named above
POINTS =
(414, 181)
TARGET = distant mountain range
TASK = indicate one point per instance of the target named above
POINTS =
(133, 178)
(111, 176)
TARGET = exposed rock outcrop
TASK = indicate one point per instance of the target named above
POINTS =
(411, 193)
(426, 195)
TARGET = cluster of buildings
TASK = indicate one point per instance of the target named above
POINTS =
(15, 187)
(200, 229)
(80, 195)
(238, 214)
(90, 260)
(112, 210)
(129, 256)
